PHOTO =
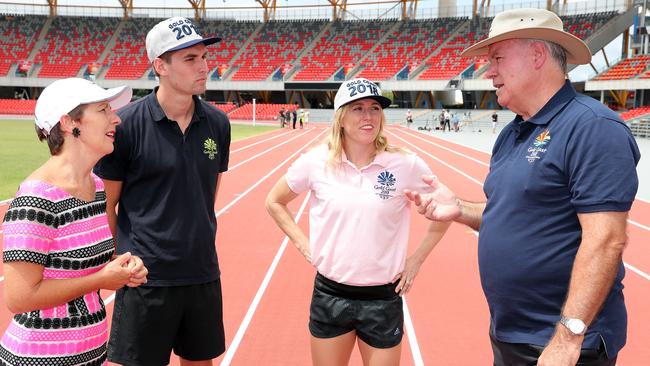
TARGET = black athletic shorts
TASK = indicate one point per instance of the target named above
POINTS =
(374, 312)
(150, 322)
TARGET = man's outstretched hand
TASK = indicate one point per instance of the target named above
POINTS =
(439, 205)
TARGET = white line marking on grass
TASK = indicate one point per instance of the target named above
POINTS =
(632, 268)
(243, 194)
(265, 151)
(259, 142)
(260, 292)
(410, 330)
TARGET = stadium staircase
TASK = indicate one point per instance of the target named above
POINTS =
(342, 43)
(18, 36)
(371, 57)
(277, 44)
(73, 43)
(304, 57)
(446, 63)
(240, 46)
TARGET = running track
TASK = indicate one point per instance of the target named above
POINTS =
(267, 284)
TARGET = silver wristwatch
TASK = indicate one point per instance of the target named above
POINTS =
(574, 325)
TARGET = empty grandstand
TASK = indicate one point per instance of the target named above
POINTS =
(298, 58)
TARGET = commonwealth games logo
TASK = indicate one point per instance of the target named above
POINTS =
(210, 148)
(385, 185)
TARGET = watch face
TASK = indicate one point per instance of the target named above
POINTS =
(576, 326)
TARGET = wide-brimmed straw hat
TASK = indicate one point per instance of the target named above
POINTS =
(532, 24)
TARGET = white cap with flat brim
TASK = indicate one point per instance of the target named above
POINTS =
(174, 34)
(359, 88)
(532, 24)
(62, 96)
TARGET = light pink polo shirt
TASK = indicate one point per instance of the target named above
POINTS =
(359, 218)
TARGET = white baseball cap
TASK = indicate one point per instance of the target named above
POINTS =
(356, 89)
(62, 96)
(174, 34)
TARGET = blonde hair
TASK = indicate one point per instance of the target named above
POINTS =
(335, 142)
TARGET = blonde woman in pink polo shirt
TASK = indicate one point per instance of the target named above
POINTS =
(359, 225)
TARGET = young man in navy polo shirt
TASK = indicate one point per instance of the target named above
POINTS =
(169, 154)
(562, 180)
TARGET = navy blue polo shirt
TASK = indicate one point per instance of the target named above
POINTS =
(166, 208)
(574, 156)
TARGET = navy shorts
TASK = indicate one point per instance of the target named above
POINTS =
(374, 312)
(150, 322)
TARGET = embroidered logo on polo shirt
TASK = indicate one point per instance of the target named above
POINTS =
(385, 185)
(539, 146)
(210, 148)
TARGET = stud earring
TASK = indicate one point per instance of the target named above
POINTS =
(76, 132)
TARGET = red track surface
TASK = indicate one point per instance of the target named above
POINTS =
(447, 308)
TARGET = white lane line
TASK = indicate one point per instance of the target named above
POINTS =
(111, 297)
(452, 142)
(265, 151)
(259, 142)
(627, 265)
(446, 148)
(487, 164)
(410, 331)
(441, 161)
(243, 194)
(8, 201)
(260, 292)
(637, 271)
(639, 225)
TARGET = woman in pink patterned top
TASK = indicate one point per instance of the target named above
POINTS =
(58, 249)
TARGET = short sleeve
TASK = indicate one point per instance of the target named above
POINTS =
(601, 166)
(114, 165)
(29, 228)
(225, 146)
(299, 174)
(420, 168)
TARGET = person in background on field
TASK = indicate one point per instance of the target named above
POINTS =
(58, 248)
(409, 118)
(294, 116)
(359, 229)
(165, 174)
(562, 179)
(282, 117)
(495, 120)
(455, 121)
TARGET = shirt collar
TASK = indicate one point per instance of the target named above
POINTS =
(382, 159)
(552, 107)
(159, 114)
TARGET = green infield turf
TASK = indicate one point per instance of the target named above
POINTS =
(21, 152)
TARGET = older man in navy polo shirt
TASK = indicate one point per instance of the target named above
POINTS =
(562, 180)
